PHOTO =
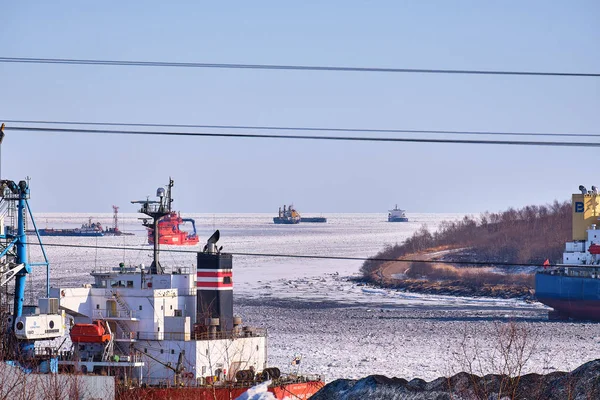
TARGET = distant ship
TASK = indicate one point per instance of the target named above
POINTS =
(89, 229)
(169, 231)
(572, 288)
(397, 215)
(288, 215)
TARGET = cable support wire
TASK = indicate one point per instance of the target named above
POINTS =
(130, 63)
(304, 129)
(270, 255)
(307, 137)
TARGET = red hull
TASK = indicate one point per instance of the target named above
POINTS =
(175, 240)
(578, 309)
(170, 234)
(292, 391)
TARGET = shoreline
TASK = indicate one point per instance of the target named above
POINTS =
(394, 275)
(451, 288)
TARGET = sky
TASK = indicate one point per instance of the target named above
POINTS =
(88, 173)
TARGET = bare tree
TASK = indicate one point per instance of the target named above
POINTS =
(495, 365)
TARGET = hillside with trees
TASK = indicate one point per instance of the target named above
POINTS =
(529, 235)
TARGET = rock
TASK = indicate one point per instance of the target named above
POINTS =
(580, 384)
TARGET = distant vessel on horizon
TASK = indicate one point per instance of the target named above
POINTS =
(287, 216)
(397, 215)
(90, 229)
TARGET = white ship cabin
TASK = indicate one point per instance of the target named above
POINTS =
(577, 252)
(156, 326)
(396, 214)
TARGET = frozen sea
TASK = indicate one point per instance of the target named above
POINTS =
(345, 235)
(311, 308)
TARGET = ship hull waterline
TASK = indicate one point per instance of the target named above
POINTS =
(571, 297)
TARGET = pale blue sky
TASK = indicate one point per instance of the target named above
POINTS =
(90, 173)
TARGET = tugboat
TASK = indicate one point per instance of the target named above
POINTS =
(89, 229)
(287, 216)
(572, 288)
(169, 231)
(397, 215)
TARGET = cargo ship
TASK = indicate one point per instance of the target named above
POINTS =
(572, 288)
(89, 229)
(397, 215)
(135, 331)
(287, 215)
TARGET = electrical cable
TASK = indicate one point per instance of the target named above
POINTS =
(129, 63)
(343, 258)
(297, 128)
(308, 137)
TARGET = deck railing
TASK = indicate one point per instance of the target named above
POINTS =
(108, 314)
(578, 271)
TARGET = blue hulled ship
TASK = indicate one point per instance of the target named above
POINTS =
(397, 215)
(89, 229)
(572, 288)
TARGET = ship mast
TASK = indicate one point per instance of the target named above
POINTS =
(156, 210)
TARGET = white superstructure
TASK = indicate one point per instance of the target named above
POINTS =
(152, 319)
(159, 326)
(397, 215)
(578, 252)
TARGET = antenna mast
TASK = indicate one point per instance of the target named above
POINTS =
(156, 210)
(115, 218)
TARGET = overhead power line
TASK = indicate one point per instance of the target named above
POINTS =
(270, 255)
(303, 129)
(127, 63)
(305, 137)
